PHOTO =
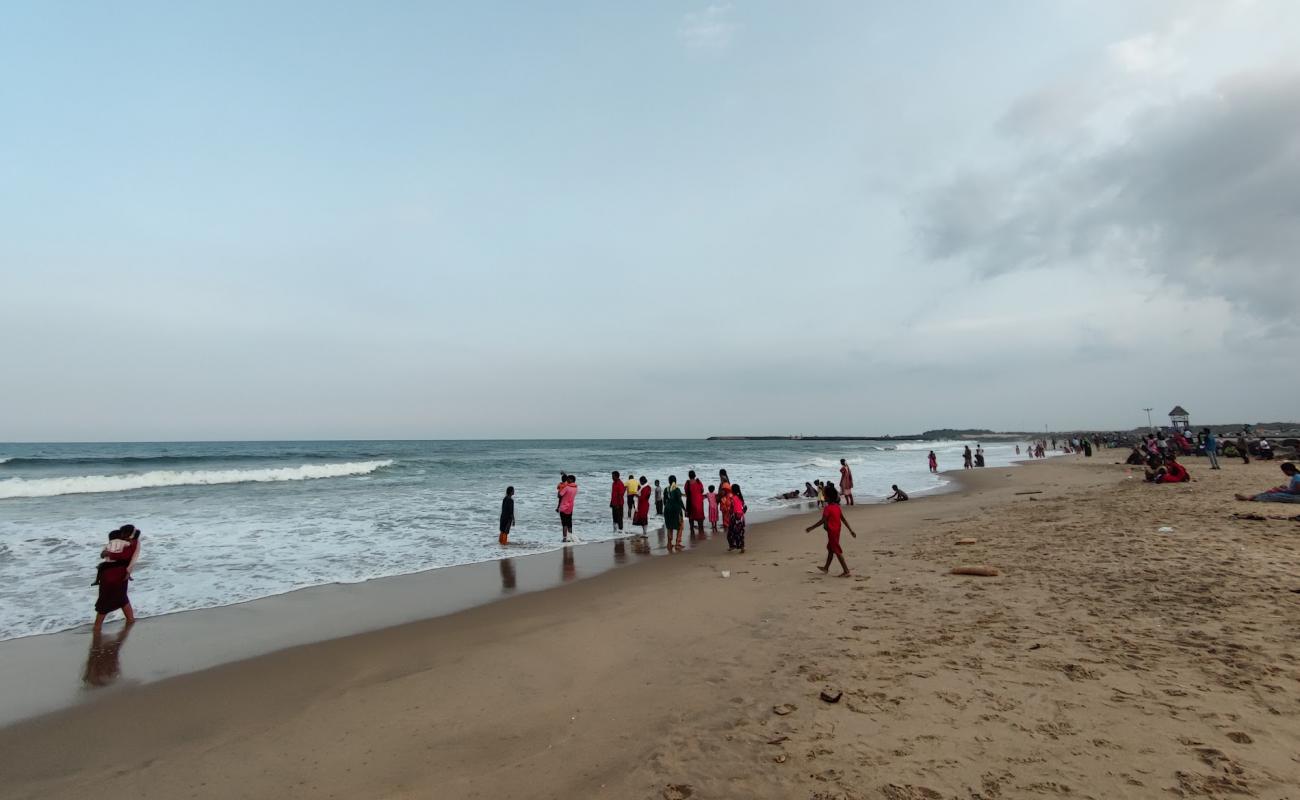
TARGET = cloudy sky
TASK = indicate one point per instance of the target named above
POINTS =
(415, 220)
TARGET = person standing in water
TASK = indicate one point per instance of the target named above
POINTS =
(846, 481)
(568, 495)
(674, 510)
(616, 493)
(934, 462)
(633, 488)
(736, 528)
(832, 520)
(507, 515)
(114, 576)
(642, 516)
(713, 509)
(966, 459)
(695, 502)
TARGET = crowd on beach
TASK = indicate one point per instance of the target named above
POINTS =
(691, 504)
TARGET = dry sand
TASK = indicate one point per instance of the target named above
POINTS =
(1106, 661)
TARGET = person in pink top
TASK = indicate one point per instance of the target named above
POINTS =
(846, 482)
(713, 508)
(567, 493)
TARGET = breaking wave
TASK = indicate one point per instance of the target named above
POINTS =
(90, 484)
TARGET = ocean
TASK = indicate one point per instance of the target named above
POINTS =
(226, 522)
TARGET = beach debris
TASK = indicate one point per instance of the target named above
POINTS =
(678, 791)
(1165, 529)
(1035, 646)
(981, 571)
(784, 709)
(1035, 491)
(967, 540)
(779, 739)
(726, 573)
(780, 759)
(831, 694)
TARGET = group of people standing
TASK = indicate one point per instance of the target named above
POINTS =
(690, 503)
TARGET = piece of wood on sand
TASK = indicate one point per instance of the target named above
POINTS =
(982, 571)
(967, 541)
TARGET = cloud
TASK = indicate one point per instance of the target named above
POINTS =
(1202, 191)
(708, 29)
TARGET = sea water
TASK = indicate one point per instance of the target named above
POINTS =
(228, 522)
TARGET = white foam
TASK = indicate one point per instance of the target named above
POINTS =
(830, 463)
(90, 484)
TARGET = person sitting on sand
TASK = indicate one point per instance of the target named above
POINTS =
(898, 496)
(832, 519)
(1289, 492)
(1173, 472)
(1136, 458)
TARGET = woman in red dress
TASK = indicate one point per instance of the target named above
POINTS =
(642, 515)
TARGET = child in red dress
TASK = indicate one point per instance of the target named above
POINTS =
(832, 519)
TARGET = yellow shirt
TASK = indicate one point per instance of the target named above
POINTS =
(633, 486)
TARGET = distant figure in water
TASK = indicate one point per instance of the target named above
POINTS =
(808, 490)
(659, 499)
(616, 493)
(674, 511)
(934, 462)
(633, 489)
(568, 495)
(966, 459)
(846, 482)
(642, 516)
(115, 573)
(695, 502)
(832, 520)
(979, 455)
(1017, 449)
(507, 515)
(712, 497)
(898, 496)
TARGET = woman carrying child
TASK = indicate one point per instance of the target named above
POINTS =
(115, 573)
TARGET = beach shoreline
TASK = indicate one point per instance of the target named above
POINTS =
(1098, 662)
(265, 625)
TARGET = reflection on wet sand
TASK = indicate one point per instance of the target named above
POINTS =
(508, 579)
(569, 570)
(103, 662)
(620, 551)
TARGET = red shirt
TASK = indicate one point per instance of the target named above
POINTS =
(833, 516)
(617, 494)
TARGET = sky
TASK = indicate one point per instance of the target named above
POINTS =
(302, 220)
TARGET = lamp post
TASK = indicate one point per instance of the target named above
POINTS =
(1149, 425)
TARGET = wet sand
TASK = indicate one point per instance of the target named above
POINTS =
(1107, 660)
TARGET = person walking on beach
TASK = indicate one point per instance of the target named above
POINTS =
(1211, 447)
(966, 459)
(633, 488)
(695, 502)
(736, 528)
(568, 494)
(115, 574)
(674, 511)
(1243, 449)
(616, 493)
(846, 481)
(507, 516)
(642, 516)
(934, 462)
(832, 520)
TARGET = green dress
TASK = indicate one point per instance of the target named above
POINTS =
(674, 508)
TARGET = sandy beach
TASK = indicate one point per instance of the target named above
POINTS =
(1107, 660)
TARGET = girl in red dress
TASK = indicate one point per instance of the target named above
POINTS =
(832, 519)
(642, 515)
